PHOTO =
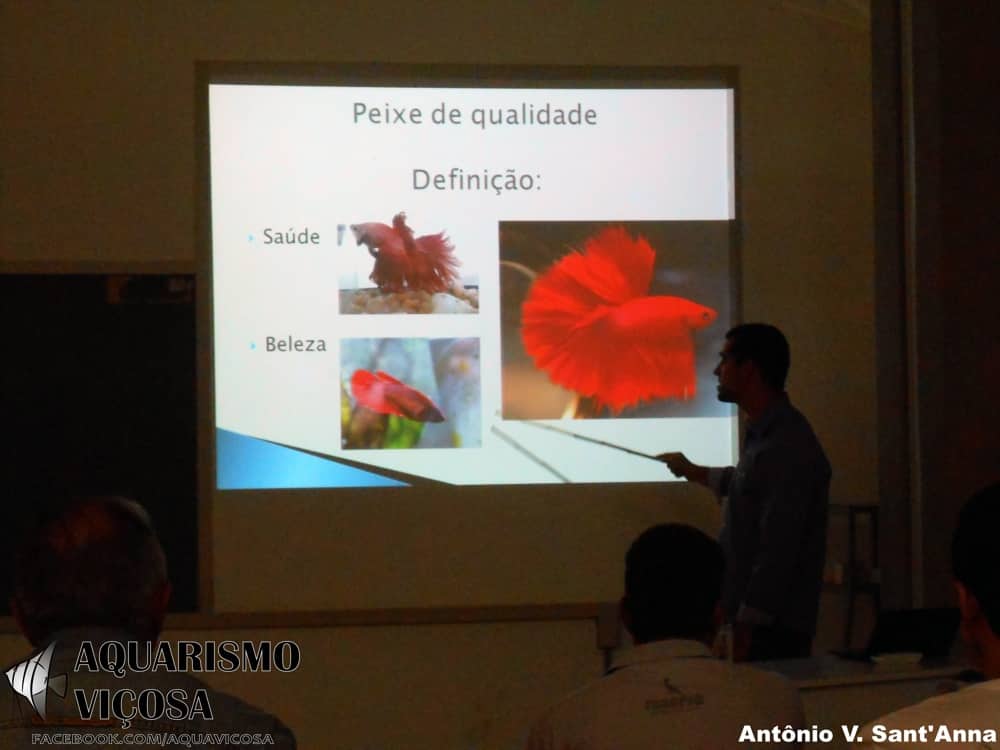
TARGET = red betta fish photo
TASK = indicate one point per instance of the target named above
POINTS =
(426, 263)
(386, 246)
(383, 394)
(590, 324)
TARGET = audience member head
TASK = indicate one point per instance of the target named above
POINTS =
(977, 576)
(93, 562)
(673, 583)
(766, 347)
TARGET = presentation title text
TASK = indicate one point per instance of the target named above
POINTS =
(525, 113)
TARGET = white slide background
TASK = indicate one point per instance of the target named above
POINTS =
(294, 157)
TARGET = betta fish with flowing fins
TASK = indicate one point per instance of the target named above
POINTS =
(382, 393)
(386, 247)
(589, 323)
(426, 263)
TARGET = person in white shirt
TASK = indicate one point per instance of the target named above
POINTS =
(968, 717)
(668, 691)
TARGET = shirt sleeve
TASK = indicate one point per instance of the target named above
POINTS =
(753, 616)
(540, 737)
(719, 478)
(787, 484)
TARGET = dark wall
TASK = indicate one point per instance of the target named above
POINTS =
(957, 244)
(98, 384)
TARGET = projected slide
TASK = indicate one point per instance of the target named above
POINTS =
(468, 285)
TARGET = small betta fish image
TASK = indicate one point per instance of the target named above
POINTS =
(384, 394)
(590, 324)
(401, 393)
(403, 260)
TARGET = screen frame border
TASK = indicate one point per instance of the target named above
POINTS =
(404, 75)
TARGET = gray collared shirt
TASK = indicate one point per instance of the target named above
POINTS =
(774, 522)
(669, 694)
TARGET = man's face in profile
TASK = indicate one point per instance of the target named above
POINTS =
(731, 373)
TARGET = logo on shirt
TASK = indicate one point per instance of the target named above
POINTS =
(676, 700)
(31, 679)
(670, 688)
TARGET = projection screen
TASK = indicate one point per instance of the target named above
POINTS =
(424, 276)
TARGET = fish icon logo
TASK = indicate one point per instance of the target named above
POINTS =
(31, 679)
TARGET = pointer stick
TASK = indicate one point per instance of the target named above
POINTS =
(593, 440)
(520, 448)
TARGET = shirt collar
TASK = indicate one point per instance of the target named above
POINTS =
(95, 634)
(660, 650)
(760, 426)
(993, 684)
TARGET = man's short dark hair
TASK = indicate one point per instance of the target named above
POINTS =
(673, 582)
(974, 554)
(89, 562)
(766, 347)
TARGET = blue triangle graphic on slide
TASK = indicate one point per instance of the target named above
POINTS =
(247, 463)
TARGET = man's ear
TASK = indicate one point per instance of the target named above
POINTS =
(968, 605)
(626, 614)
(158, 605)
(22, 624)
(750, 370)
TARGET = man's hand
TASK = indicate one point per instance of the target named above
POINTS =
(677, 463)
(680, 467)
(742, 638)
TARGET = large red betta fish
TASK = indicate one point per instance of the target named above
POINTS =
(426, 263)
(590, 325)
(382, 393)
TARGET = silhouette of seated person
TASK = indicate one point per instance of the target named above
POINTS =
(969, 717)
(669, 691)
(92, 572)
